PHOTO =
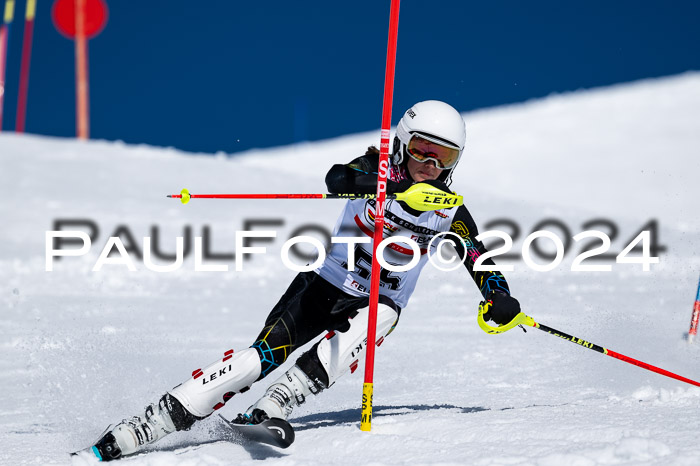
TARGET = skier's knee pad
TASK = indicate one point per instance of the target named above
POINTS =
(311, 365)
(210, 388)
(339, 351)
(180, 417)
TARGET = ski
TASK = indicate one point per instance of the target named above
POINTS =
(276, 432)
(91, 452)
(104, 449)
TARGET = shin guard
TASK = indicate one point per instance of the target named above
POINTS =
(210, 388)
(339, 352)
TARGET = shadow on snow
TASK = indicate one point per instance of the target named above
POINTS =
(349, 416)
(259, 451)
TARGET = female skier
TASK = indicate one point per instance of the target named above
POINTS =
(333, 299)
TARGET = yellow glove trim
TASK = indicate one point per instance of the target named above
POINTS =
(519, 319)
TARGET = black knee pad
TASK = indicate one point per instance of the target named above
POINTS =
(312, 367)
(182, 419)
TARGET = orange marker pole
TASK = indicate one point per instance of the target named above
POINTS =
(24, 67)
(81, 72)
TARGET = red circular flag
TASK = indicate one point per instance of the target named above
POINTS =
(95, 18)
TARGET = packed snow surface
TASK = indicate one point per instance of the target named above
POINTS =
(83, 349)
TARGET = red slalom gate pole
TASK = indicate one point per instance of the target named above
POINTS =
(81, 72)
(695, 317)
(24, 67)
(367, 388)
(4, 39)
(80, 20)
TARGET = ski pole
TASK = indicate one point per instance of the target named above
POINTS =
(522, 319)
(420, 196)
(9, 14)
(24, 65)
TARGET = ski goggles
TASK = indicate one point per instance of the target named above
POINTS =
(422, 148)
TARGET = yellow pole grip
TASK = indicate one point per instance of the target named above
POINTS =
(519, 319)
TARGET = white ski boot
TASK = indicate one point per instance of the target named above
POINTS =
(131, 435)
(282, 397)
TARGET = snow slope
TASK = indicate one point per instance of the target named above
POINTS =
(83, 349)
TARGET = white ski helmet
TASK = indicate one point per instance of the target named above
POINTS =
(438, 123)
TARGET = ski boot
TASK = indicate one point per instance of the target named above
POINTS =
(281, 397)
(132, 435)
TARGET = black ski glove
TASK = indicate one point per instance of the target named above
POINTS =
(392, 187)
(503, 307)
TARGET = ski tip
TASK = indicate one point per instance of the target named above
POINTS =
(283, 430)
(97, 453)
(91, 453)
(275, 432)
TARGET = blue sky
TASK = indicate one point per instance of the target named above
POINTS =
(236, 75)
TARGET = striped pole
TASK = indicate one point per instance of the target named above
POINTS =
(24, 67)
(368, 386)
(4, 39)
(694, 319)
